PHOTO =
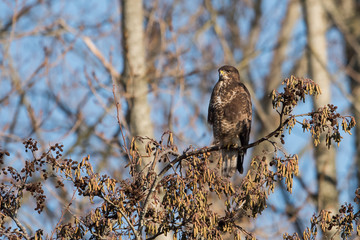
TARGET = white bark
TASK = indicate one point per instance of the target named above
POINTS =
(317, 58)
(351, 18)
(264, 108)
(134, 78)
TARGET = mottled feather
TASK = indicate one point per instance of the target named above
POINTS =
(230, 114)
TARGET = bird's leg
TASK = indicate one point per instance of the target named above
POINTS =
(231, 145)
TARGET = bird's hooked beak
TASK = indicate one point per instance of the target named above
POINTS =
(221, 74)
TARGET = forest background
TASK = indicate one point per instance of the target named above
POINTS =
(62, 64)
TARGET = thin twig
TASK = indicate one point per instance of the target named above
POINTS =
(137, 236)
(118, 111)
(92, 47)
(155, 236)
(22, 228)
(63, 213)
(244, 231)
(198, 152)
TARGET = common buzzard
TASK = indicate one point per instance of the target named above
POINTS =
(230, 114)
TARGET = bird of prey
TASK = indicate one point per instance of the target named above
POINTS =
(230, 114)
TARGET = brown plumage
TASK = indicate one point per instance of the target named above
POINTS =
(230, 114)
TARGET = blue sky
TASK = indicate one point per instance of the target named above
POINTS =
(68, 73)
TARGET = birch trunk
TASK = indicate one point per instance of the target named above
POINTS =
(264, 108)
(317, 58)
(352, 20)
(135, 81)
(134, 75)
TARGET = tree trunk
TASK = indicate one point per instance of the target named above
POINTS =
(352, 20)
(273, 80)
(134, 80)
(317, 58)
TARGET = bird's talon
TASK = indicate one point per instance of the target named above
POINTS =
(229, 146)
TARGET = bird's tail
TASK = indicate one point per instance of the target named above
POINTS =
(240, 162)
(229, 162)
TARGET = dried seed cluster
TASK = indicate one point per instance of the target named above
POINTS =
(180, 197)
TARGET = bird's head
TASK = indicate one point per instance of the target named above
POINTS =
(228, 73)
